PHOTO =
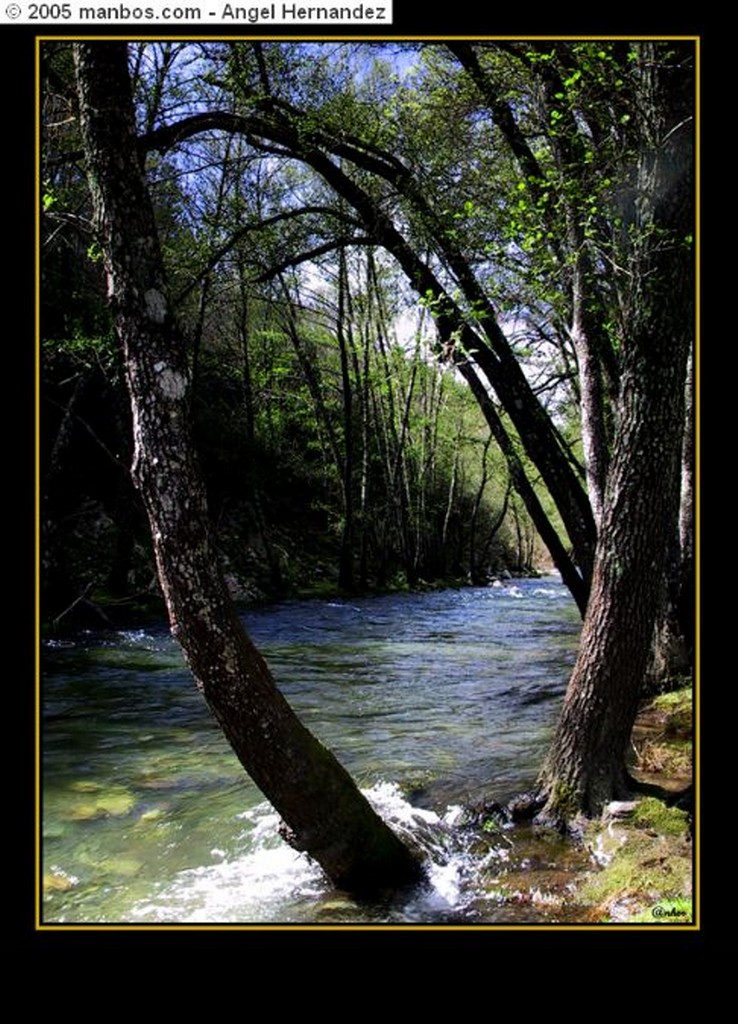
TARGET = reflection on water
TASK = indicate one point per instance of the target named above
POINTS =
(430, 700)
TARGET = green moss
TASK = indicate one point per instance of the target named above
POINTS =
(641, 868)
(676, 707)
(654, 814)
(649, 867)
(681, 698)
(564, 800)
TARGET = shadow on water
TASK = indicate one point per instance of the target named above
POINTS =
(431, 701)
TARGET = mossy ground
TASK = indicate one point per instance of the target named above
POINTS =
(645, 867)
(646, 861)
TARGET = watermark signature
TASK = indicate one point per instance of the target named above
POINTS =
(672, 910)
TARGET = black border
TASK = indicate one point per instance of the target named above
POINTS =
(19, 53)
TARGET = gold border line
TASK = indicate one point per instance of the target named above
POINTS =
(696, 387)
(691, 926)
(37, 495)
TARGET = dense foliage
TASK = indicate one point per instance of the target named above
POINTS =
(336, 451)
(351, 230)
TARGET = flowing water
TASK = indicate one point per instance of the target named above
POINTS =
(430, 700)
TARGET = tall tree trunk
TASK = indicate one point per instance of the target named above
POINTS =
(591, 389)
(595, 358)
(322, 808)
(685, 595)
(586, 764)
(475, 575)
(343, 326)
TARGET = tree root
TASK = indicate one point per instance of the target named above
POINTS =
(532, 805)
(521, 808)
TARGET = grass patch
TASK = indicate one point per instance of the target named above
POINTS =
(662, 737)
(646, 868)
(656, 758)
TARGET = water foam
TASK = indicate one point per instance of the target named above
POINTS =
(266, 881)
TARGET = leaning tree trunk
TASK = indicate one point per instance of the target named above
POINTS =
(586, 765)
(324, 812)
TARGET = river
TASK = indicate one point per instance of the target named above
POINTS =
(430, 700)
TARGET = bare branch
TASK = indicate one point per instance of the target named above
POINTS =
(321, 250)
(235, 238)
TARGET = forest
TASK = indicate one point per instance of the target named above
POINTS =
(327, 320)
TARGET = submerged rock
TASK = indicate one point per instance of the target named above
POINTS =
(58, 883)
(154, 814)
(125, 867)
(84, 812)
(86, 786)
(114, 803)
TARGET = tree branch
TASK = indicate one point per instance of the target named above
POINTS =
(236, 237)
(312, 254)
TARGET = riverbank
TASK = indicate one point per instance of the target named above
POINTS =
(644, 851)
(634, 865)
(99, 610)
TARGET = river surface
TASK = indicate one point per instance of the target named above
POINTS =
(430, 700)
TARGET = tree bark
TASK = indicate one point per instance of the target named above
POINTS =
(685, 604)
(343, 327)
(591, 388)
(324, 812)
(586, 764)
